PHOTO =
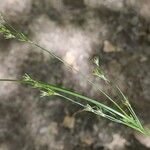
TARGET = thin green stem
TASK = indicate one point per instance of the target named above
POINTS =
(79, 72)
(73, 101)
(122, 118)
(22, 37)
(118, 114)
(9, 80)
(129, 106)
(66, 91)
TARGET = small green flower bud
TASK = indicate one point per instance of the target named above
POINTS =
(26, 78)
(99, 73)
(48, 93)
(96, 61)
(89, 108)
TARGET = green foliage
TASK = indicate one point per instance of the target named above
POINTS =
(9, 32)
(116, 113)
(92, 105)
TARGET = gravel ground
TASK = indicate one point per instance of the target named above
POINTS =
(118, 31)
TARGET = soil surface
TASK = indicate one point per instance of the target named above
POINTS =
(117, 31)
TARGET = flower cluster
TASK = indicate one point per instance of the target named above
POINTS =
(9, 32)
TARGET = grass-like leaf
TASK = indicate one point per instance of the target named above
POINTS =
(116, 113)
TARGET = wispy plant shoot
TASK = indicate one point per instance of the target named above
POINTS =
(115, 113)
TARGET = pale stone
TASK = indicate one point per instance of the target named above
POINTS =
(69, 122)
(118, 143)
(86, 138)
(115, 5)
(144, 140)
(145, 9)
(109, 47)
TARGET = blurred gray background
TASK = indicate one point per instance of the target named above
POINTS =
(117, 31)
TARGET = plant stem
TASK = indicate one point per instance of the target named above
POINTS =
(79, 72)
